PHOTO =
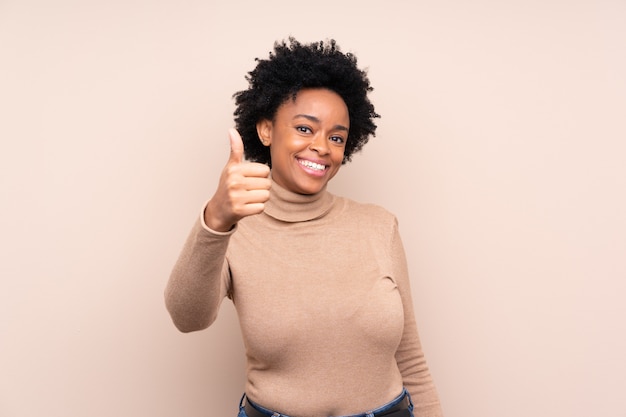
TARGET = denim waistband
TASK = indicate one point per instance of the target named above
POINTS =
(370, 413)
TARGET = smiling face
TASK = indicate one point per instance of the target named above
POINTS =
(307, 139)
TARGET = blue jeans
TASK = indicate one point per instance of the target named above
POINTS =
(385, 407)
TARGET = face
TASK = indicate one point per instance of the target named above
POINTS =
(307, 140)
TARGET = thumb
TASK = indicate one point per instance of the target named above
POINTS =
(236, 146)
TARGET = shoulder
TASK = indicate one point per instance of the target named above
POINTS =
(374, 214)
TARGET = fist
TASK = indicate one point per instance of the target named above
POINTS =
(242, 190)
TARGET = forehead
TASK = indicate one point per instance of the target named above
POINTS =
(321, 103)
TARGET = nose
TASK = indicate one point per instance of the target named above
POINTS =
(319, 144)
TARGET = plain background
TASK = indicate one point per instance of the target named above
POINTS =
(501, 150)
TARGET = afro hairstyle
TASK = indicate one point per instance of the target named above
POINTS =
(291, 67)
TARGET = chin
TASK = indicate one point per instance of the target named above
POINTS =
(310, 188)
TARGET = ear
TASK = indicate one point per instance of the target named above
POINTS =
(264, 130)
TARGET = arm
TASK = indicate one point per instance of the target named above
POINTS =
(200, 279)
(409, 355)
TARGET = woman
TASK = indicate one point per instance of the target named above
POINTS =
(319, 282)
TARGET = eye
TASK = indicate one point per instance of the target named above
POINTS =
(337, 139)
(304, 129)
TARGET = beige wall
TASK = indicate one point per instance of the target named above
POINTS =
(501, 149)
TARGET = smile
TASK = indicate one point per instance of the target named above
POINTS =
(312, 165)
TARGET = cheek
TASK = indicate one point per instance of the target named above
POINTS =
(338, 156)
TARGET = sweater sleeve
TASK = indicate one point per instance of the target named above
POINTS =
(200, 279)
(409, 355)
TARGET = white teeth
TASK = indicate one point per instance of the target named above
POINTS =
(312, 165)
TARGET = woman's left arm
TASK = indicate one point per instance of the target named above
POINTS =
(409, 355)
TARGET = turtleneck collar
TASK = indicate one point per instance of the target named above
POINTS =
(291, 207)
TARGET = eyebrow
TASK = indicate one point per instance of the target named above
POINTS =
(316, 120)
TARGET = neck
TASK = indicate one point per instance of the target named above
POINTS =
(292, 207)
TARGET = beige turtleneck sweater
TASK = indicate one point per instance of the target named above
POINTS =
(322, 292)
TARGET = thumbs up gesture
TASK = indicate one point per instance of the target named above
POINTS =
(242, 190)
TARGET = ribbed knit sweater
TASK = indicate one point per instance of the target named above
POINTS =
(322, 293)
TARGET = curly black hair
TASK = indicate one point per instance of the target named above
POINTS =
(292, 67)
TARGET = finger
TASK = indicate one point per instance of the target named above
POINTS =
(236, 146)
(254, 169)
(255, 183)
(252, 208)
(257, 196)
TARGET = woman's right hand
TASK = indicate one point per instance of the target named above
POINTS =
(242, 191)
